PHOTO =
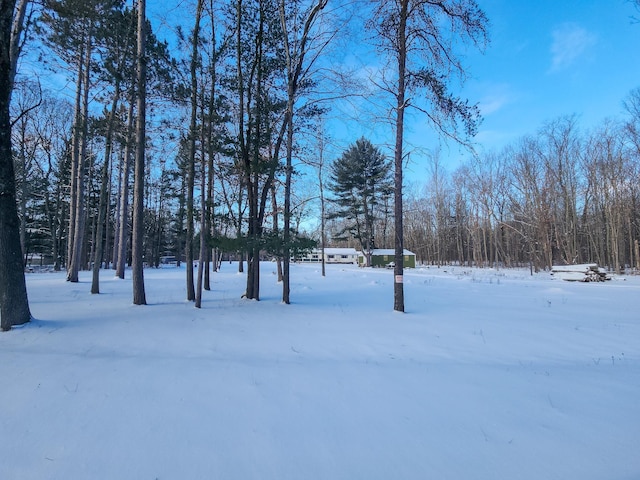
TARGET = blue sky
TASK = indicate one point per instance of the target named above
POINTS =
(550, 58)
(546, 59)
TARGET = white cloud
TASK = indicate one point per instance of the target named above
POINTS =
(570, 42)
(492, 104)
(495, 98)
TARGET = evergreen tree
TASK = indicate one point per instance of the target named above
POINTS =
(359, 180)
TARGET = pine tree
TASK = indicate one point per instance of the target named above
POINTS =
(359, 180)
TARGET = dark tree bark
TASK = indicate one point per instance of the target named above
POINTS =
(323, 233)
(123, 223)
(17, 28)
(137, 270)
(104, 187)
(75, 263)
(398, 269)
(276, 229)
(191, 167)
(204, 152)
(210, 257)
(14, 304)
(203, 240)
(211, 252)
(202, 265)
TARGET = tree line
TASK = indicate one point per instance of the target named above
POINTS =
(557, 196)
(562, 195)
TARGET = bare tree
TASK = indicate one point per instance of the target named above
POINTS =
(561, 153)
(418, 38)
(25, 104)
(632, 133)
(296, 48)
(52, 127)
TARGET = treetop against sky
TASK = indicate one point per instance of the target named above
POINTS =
(545, 59)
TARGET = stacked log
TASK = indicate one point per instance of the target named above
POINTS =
(586, 272)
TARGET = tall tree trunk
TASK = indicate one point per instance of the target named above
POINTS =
(286, 284)
(398, 286)
(208, 215)
(205, 150)
(75, 160)
(17, 27)
(123, 232)
(241, 253)
(180, 223)
(242, 141)
(251, 156)
(79, 217)
(253, 250)
(323, 233)
(203, 229)
(21, 178)
(211, 252)
(54, 215)
(116, 223)
(191, 293)
(107, 220)
(250, 151)
(104, 187)
(276, 229)
(14, 304)
(59, 231)
(137, 270)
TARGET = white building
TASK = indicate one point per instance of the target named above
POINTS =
(331, 255)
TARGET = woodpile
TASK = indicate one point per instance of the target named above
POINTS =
(586, 272)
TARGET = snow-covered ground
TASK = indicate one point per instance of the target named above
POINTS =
(489, 375)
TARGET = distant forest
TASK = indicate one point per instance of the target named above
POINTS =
(557, 196)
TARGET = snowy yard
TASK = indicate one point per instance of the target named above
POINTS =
(489, 375)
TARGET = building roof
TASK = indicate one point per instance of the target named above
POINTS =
(338, 251)
(387, 251)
